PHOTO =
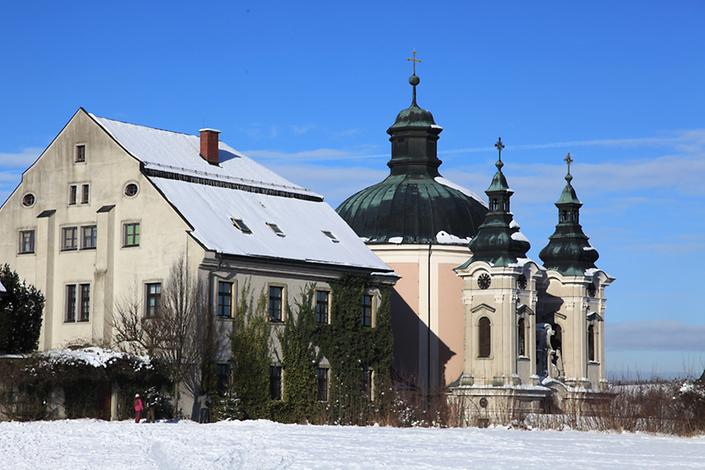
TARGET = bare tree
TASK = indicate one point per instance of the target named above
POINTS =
(181, 335)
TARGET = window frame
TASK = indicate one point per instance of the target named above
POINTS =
(83, 308)
(33, 240)
(219, 295)
(276, 393)
(85, 194)
(486, 334)
(149, 310)
(94, 228)
(521, 338)
(73, 194)
(136, 235)
(282, 293)
(322, 393)
(591, 343)
(76, 152)
(75, 238)
(363, 309)
(328, 303)
(70, 303)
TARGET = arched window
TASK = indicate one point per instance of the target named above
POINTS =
(521, 338)
(484, 337)
(591, 343)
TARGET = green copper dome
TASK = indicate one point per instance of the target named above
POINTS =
(414, 203)
(498, 241)
(568, 250)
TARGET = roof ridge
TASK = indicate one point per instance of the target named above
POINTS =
(142, 125)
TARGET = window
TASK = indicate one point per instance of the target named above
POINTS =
(224, 308)
(85, 192)
(70, 303)
(80, 155)
(366, 319)
(69, 238)
(275, 228)
(222, 372)
(241, 225)
(28, 200)
(153, 298)
(330, 235)
(484, 337)
(131, 189)
(275, 382)
(591, 343)
(26, 241)
(131, 234)
(521, 338)
(322, 384)
(322, 298)
(73, 191)
(84, 314)
(275, 303)
(89, 236)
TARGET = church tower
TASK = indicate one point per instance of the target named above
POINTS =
(419, 223)
(574, 303)
(500, 295)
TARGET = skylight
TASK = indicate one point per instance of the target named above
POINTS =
(275, 228)
(330, 235)
(240, 225)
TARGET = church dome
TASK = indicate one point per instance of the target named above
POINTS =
(414, 204)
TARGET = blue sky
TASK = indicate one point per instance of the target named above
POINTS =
(309, 88)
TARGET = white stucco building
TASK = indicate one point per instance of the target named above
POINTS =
(108, 208)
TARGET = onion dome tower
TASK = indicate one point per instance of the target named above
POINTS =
(414, 203)
(568, 250)
(498, 239)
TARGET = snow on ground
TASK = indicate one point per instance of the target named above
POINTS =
(89, 444)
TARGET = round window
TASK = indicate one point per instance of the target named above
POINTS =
(131, 189)
(28, 200)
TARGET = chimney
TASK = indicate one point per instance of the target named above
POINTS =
(209, 145)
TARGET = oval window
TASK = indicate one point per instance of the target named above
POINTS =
(131, 189)
(28, 200)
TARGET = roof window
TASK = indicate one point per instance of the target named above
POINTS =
(330, 235)
(240, 225)
(275, 228)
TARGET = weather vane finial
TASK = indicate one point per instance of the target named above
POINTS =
(414, 79)
(568, 159)
(500, 146)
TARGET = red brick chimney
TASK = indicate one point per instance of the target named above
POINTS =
(209, 145)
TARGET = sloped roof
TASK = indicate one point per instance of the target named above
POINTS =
(206, 196)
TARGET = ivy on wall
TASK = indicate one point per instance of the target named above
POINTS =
(350, 348)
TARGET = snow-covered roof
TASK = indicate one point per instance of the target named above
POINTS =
(174, 151)
(209, 197)
(462, 189)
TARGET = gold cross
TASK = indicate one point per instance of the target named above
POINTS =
(414, 60)
(568, 159)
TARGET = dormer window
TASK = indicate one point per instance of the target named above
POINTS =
(80, 153)
(241, 225)
(275, 228)
(330, 235)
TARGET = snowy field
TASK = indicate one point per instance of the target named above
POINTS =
(88, 444)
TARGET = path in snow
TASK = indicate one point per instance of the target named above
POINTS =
(88, 444)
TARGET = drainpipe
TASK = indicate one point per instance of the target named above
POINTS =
(428, 331)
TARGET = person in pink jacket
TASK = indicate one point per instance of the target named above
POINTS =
(138, 408)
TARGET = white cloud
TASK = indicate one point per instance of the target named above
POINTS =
(318, 154)
(655, 335)
(21, 159)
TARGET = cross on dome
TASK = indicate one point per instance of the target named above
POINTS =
(499, 145)
(568, 159)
